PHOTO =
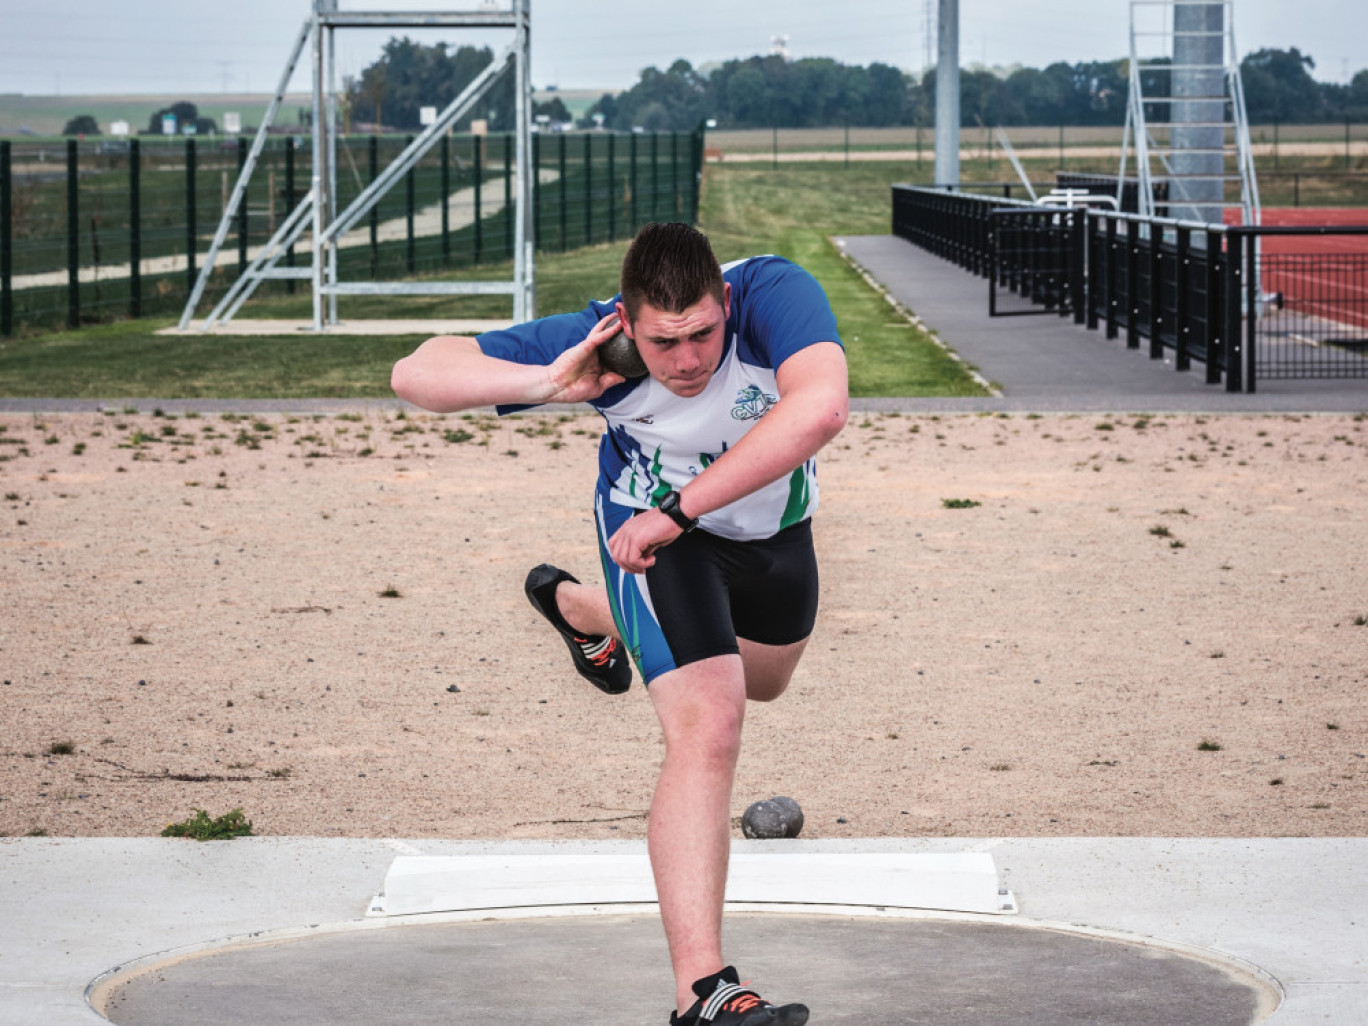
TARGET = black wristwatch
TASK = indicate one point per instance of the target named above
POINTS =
(669, 505)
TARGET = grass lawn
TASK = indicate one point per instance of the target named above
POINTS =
(793, 211)
(744, 209)
(127, 359)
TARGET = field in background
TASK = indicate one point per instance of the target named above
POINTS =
(1322, 177)
(22, 115)
(46, 115)
(975, 139)
(745, 210)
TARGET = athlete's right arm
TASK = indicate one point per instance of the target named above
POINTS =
(450, 373)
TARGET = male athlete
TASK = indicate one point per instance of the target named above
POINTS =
(706, 485)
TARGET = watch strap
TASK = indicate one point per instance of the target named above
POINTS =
(669, 505)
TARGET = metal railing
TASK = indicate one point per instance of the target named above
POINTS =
(1170, 282)
(1107, 185)
(949, 223)
(1249, 303)
(1312, 317)
(1036, 262)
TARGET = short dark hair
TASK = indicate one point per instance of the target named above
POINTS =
(671, 266)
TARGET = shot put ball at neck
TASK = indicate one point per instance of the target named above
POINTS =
(619, 355)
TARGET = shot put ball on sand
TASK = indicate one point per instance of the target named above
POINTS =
(793, 815)
(773, 818)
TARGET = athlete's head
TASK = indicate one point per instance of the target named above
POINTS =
(674, 305)
(671, 267)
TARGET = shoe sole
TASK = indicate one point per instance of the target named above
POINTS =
(776, 1015)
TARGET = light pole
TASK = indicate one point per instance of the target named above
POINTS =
(948, 95)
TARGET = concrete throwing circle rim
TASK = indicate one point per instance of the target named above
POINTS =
(98, 992)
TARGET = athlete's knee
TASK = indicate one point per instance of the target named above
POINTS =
(712, 747)
(702, 709)
(717, 744)
(711, 733)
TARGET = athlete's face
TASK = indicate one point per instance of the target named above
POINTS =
(681, 350)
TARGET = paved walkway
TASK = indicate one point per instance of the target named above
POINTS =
(1046, 363)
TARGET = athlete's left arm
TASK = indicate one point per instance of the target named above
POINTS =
(812, 408)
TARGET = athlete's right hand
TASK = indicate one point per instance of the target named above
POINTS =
(576, 376)
(633, 545)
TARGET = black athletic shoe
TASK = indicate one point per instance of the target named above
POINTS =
(723, 1001)
(600, 659)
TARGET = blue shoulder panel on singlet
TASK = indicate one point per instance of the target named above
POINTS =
(777, 309)
(542, 340)
(539, 342)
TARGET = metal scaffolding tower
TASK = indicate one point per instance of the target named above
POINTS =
(317, 210)
(1185, 120)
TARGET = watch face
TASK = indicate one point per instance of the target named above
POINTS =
(669, 505)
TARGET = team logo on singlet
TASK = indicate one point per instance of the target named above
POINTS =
(751, 403)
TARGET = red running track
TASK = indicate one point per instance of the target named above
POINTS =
(1323, 276)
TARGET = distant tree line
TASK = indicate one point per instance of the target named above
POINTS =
(81, 124)
(1279, 87)
(185, 113)
(409, 76)
(760, 92)
(764, 91)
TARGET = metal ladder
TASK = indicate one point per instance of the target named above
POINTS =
(1186, 124)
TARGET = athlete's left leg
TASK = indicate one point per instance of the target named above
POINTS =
(775, 610)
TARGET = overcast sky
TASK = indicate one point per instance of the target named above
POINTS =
(210, 46)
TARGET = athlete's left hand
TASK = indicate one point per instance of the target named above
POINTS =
(633, 545)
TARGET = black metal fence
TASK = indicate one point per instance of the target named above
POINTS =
(1314, 318)
(1248, 303)
(1171, 283)
(91, 230)
(1035, 261)
(953, 225)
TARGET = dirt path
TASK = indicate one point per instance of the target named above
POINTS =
(1357, 148)
(197, 607)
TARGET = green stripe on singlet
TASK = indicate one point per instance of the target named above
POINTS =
(799, 495)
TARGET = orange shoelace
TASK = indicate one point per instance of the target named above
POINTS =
(603, 656)
(743, 1003)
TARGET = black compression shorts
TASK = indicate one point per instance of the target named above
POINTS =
(705, 591)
